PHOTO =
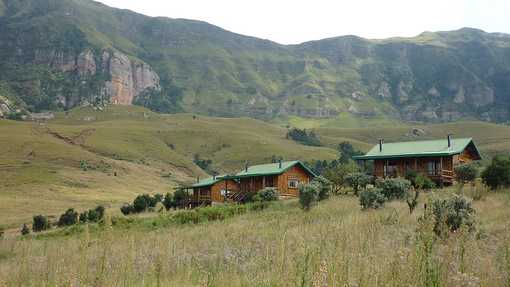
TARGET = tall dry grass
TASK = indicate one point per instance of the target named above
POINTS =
(335, 244)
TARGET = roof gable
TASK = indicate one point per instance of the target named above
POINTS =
(419, 149)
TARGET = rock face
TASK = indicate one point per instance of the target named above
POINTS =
(128, 78)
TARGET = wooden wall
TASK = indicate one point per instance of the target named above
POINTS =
(296, 172)
(214, 191)
(419, 164)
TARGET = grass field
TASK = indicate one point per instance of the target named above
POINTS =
(335, 244)
(87, 157)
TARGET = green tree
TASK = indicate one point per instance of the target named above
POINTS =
(324, 187)
(337, 174)
(357, 181)
(181, 197)
(465, 173)
(497, 174)
(169, 201)
(267, 194)
(40, 223)
(70, 217)
(308, 194)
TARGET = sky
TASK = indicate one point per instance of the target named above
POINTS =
(296, 21)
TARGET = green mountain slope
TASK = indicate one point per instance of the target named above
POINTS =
(57, 54)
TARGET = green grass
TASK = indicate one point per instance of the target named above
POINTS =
(334, 244)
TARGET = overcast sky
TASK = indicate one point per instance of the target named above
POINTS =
(295, 21)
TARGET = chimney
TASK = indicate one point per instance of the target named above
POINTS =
(381, 141)
(449, 140)
(214, 177)
(198, 179)
(280, 163)
(246, 167)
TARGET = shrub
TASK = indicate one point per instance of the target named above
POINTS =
(84, 217)
(373, 199)
(423, 182)
(1, 233)
(40, 223)
(169, 201)
(497, 174)
(266, 194)
(144, 202)
(394, 188)
(452, 213)
(25, 230)
(465, 173)
(127, 209)
(357, 181)
(307, 195)
(324, 187)
(304, 137)
(336, 175)
(181, 197)
(96, 214)
(70, 217)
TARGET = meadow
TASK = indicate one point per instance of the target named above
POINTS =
(334, 244)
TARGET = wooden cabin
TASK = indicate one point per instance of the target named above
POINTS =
(284, 176)
(436, 159)
(211, 190)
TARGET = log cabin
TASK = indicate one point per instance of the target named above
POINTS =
(285, 177)
(212, 190)
(436, 159)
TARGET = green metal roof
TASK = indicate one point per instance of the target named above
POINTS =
(207, 182)
(425, 148)
(269, 169)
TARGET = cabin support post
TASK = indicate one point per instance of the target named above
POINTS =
(415, 164)
(264, 182)
(226, 190)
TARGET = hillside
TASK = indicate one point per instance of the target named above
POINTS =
(86, 156)
(57, 54)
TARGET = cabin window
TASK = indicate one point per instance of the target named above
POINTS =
(293, 183)
(433, 167)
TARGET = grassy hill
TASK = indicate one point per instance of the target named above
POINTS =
(86, 156)
(335, 244)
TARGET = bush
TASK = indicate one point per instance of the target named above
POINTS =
(423, 182)
(394, 188)
(84, 217)
(40, 223)
(452, 213)
(181, 197)
(70, 217)
(304, 137)
(357, 181)
(169, 201)
(324, 187)
(266, 194)
(96, 214)
(25, 230)
(144, 202)
(127, 209)
(412, 200)
(211, 213)
(373, 199)
(497, 174)
(465, 173)
(308, 194)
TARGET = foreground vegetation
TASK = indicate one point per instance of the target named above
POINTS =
(335, 243)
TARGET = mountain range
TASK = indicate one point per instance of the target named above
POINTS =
(59, 54)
